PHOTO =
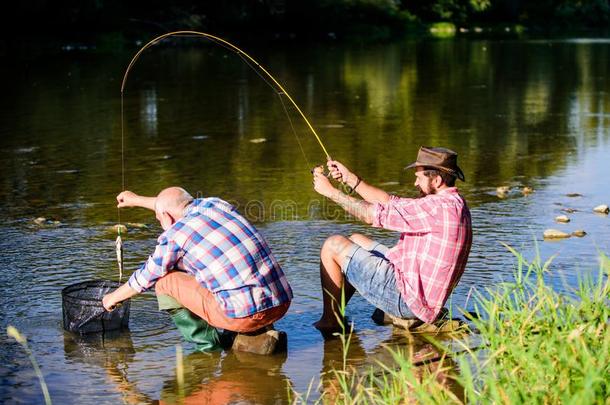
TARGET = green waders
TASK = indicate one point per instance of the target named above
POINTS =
(192, 328)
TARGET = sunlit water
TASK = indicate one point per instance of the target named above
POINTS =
(519, 113)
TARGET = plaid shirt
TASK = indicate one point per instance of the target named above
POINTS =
(225, 253)
(431, 254)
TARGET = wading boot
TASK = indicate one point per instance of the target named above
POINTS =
(192, 328)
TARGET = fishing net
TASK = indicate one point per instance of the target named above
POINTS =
(83, 311)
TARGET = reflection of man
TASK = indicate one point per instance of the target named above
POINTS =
(227, 277)
(417, 275)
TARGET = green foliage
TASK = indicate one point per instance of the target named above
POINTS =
(539, 347)
(373, 19)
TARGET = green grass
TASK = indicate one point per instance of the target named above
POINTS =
(539, 347)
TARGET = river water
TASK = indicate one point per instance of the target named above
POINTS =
(520, 113)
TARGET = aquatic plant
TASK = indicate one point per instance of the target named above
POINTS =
(11, 331)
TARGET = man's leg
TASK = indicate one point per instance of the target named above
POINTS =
(364, 241)
(177, 293)
(332, 256)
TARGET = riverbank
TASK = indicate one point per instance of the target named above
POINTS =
(536, 346)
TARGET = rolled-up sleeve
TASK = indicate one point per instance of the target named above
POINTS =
(166, 255)
(404, 215)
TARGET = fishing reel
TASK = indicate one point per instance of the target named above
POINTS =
(342, 186)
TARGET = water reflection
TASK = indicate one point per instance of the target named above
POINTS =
(148, 115)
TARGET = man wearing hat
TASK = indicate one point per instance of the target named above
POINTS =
(415, 277)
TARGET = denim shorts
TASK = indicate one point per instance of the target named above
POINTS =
(372, 275)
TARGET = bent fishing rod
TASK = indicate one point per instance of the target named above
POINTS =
(257, 67)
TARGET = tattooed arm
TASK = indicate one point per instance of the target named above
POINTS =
(360, 209)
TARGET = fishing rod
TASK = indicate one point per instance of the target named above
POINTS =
(248, 59)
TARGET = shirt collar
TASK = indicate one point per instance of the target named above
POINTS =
(452, 190)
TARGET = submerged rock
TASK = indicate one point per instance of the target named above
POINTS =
(527, 190)
(136, 225)
(117, 227)
(40, 221)
(502, 189)
(555, 234)
(579, 233)
(602, 209)
(569, 210)
(573, 195)
(562, 218)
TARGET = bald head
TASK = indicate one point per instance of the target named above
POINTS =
(172, 200)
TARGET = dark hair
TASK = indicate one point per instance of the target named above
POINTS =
(447, 178)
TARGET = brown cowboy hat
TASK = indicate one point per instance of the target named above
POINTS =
(438, 158)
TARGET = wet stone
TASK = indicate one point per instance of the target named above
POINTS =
(602, 209)
(562, 218)
(40, 221)
(573, 195)
(136, 225)
(527, 190)
(415, 325)
(555, 234)
(265, 342)
(118, 227)
(579, 233)
(569, 210)
(502, 189)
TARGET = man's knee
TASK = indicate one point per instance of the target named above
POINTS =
(335, 244)
(360, 239)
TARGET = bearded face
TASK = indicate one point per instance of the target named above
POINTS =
(424, 184)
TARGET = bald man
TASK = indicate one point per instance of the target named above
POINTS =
(211, 268)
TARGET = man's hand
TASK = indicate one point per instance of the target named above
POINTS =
(127, 199)
(321, 183)
(339, 172)
(109, 302)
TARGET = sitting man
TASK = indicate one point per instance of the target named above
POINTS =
(416, 276)
(211, 268)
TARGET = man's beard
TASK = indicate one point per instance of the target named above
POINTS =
(422, 194)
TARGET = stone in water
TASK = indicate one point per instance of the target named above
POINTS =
(602, 209)
(555, 234)
(562, 218)
(121, 227)
(258, 140)
(573, 195)
(579, 233)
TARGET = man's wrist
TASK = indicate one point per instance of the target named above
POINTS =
(352, 180)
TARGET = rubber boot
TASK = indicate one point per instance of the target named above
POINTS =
(192, 328)
(195, 330)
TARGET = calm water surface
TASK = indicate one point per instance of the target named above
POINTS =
(527, 113)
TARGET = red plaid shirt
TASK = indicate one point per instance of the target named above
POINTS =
(431, 254)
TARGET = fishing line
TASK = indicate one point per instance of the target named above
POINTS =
(257, 67)
(294, 132)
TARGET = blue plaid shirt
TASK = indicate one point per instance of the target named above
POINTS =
(225, 253)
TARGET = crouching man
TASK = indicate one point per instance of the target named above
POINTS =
(211, 268)
(415, 277)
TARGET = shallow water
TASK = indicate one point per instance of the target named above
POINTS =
(519, 113)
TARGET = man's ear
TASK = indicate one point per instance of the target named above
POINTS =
(168, 217)
(437, 181)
